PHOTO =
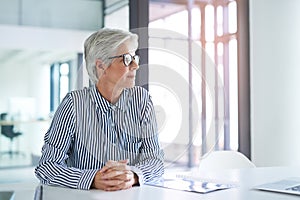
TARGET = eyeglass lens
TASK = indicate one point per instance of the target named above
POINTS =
(127, 58)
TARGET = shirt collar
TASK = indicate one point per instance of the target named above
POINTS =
(104, 105)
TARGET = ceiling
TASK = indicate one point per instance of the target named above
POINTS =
(27, 57)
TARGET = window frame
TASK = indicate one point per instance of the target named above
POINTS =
(139, 17)
(55, 84)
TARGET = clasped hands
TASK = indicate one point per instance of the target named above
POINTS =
(115, 175)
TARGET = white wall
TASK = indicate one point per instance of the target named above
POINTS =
(26, 37)
(275, 82)
(27, 84)
(32, 79)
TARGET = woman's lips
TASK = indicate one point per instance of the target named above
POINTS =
(131, 76)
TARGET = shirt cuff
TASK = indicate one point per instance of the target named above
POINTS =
(86, 179)
(139, 174)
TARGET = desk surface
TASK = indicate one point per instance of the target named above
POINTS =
(245, 179)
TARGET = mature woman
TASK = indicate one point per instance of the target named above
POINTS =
(104, 136)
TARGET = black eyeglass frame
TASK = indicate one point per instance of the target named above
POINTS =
(135, 57)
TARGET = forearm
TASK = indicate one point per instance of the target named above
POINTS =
(151, 168)
(52, 170)
(54, 174)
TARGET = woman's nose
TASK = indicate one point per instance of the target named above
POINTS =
(134, 66)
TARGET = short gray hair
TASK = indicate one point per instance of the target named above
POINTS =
(102, 45)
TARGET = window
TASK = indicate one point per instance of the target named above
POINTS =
(59, 83)
(193, 76)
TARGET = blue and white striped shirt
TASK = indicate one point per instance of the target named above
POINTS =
(87, 131)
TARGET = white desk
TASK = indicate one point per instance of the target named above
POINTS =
(245, 180)
(20, 180)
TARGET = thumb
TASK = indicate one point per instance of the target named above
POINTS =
(124, 161)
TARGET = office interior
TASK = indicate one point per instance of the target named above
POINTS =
(34, 41)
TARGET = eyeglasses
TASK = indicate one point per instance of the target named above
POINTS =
(127, 59)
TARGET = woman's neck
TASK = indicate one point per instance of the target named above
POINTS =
(110, 92)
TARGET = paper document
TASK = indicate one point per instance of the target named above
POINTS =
(191, 185)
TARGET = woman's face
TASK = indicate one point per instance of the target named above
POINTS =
(118, 74)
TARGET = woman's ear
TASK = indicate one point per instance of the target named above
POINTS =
(99, 68)
(99, 64)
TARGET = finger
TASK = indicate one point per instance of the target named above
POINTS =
(112, 182)
(111, 163)
(104, 184)
(116, 163)
(111, 169)
(115, 184)
(121, 167)
(122, 186)
(124, 161)
(104, 169)
(100, 183)
(127, 176)
(112, 174)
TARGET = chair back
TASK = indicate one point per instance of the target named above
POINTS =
(7, 130)
(220, 160)
(3, 116)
